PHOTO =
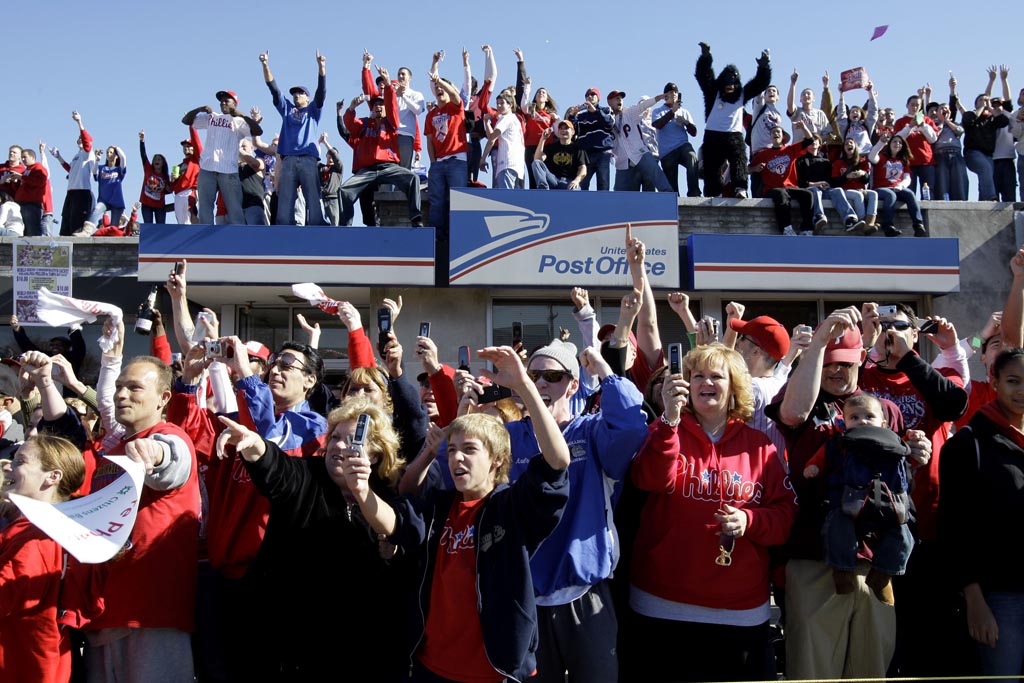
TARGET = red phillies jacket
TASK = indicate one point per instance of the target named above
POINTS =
(690, 477)
(374, 142)
(33, 184)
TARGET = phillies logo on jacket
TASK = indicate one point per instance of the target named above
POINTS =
(714, 485)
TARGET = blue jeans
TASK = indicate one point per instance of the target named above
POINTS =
(442, 176)
(372, 177)
(546, 180)
(96, 217)
(1007, 657)
(151, 215)
(32, 217)
(506, 179)
(981, 165)
(255, 215)
(919, 175)
(853, 202)
(890, 196)
(890, 552)
(229, 186)
(646, 175)
(299, 171)
(46, 225)
(1020, 174)
(950, 176)
(1005, 180)
(681, 156)
(599, 164)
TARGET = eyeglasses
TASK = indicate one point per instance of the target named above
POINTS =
(900, 325)
(286, 361)
(550, 376)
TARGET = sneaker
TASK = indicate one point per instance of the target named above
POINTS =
(859, 225)
(807, 233)
(820, 221)
(87, 230)
(416, 222)
(741, 194)
(851, 223)
(789, 231)
(870, 229)
(920, 230)
(881, 585)
(892, 231)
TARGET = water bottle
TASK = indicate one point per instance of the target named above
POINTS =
(926, 192)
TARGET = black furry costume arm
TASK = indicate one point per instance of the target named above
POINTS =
(705, 76)
(761, 80)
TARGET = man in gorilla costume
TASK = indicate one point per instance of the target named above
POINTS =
(723, 112)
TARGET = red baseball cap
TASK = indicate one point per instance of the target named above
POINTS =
(257, 350)
(848, 348)
(224, 94)
(767, 333)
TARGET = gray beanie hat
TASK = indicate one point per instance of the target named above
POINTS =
(563, 353)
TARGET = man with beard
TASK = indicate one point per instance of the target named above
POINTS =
(724, 98)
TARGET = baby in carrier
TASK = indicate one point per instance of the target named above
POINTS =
(867, 472)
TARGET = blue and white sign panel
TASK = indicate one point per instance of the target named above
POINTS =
(824, 264)
(526, 238)
(235, 254)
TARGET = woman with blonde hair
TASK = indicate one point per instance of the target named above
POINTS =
(319, 558)
(33, 646)
(719, 498)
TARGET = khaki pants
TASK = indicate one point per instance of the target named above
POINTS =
(835, 636)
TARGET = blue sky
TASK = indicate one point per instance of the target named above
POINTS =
(131, 66)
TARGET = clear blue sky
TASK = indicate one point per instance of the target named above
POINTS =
(128, 66)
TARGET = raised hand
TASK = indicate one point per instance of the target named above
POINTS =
(321, 61)
(519, 54)
(265, 58)
(247, 443)
(794, 77)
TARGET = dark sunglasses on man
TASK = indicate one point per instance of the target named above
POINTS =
(285, 361)
(550, 376)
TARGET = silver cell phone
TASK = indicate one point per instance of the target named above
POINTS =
(675, 359)
(805, 328)
(362, 429)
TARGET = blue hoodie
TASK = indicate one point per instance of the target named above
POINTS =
(299, 127)
(584, 548)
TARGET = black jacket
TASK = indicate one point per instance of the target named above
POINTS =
(510, 525)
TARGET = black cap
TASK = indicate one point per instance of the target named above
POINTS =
(670, 87)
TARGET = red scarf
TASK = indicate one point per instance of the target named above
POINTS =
(995, 413)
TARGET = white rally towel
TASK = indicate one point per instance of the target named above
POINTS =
(312, 293)
(65, 311)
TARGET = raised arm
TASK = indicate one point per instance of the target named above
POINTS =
(1012, 327)
(647, 336)
(511, 373)
(805, 380)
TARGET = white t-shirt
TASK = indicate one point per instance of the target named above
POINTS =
(10, 217)
(510, 150)
(410, 106)
(223, 133)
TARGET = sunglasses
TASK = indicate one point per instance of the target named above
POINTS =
(285, 361)
(900, 325)
(550, 376)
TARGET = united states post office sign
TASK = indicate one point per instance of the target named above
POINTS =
(282, 255)
(530, 238)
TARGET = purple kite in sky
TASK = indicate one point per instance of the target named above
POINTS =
(879, 32)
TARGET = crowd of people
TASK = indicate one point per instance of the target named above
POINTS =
(863, 157)
(625, 511)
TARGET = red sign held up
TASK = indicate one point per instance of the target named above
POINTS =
(853, 79)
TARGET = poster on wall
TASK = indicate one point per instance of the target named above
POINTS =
(38, 263)
(526, 238)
